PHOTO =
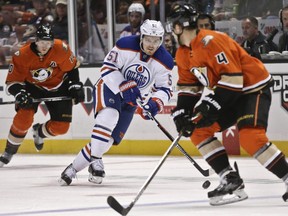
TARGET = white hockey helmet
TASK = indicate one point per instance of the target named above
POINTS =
(152, 28)
(137, 7)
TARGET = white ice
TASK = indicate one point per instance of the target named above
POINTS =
(28, 186)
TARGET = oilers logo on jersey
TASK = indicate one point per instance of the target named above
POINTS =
(139, 73)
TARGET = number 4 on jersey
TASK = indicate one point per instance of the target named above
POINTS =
(221, 58)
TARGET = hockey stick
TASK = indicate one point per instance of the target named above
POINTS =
(113, 203)
(38, 100)
(206, 172)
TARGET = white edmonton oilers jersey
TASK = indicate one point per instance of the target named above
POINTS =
(126, 61)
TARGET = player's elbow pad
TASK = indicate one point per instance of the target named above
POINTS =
(14, 88)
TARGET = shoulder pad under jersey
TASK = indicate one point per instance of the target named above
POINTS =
(129, 42)
(164, 57)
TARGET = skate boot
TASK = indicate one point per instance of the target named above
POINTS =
(38, 141)
(67, 175)
(230, 190)
(5, 158)
(96, 170)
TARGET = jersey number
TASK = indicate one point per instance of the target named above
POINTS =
(112, 56)
(221, 58)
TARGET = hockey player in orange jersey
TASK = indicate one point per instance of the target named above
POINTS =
(241, 95)
(44, 68)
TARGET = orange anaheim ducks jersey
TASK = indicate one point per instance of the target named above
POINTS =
(47, 72)
(215, 59)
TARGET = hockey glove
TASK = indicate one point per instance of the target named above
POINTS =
(153, 106)
(209, 110)
(130, 92)
(183, 122)
(76, 91)
(23, 100)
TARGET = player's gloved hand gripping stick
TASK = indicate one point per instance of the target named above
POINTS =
(150, 108)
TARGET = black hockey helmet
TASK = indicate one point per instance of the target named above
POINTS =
(44, 32)
(182, 13)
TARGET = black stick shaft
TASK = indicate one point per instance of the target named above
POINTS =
(124, 211)
(38, 100)
(205, 173)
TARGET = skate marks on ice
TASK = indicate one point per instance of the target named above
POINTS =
(30, 187)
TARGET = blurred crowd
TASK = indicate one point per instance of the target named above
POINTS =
(19, 20)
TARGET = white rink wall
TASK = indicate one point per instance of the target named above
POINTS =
(141, 129)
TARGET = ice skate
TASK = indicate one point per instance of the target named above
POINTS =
(38, 141)
(67, 175)
(96, 170)
(5, 159)
(230, 190)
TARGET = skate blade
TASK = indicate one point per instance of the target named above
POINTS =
(2, 164)
(39, 147)
(95, 179)
(285, 197)
(236, 196)
(61, 182)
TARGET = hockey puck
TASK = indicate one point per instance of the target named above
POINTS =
(206, 184)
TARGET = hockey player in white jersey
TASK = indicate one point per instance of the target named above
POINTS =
(137, 67)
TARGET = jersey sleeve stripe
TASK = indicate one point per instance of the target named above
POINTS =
(258, 85)
(230, 88)
(230, 85)
(105, 73)
(107, 64)
(231, 81)
(166, 90)
(190, 88)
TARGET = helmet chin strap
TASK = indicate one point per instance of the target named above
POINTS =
(141, 45)
(178, 37)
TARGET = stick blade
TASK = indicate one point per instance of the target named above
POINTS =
(113, 203)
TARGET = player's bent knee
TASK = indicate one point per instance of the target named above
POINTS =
(252, 139)
(23, 121)
(201, 134)
(57, 128)
(108, 117)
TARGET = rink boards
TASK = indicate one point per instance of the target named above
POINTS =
(143, 137)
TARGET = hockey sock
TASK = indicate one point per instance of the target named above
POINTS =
(272, 159)
(10, 148)
(82, 160)
(215, 154)
(101, 139)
